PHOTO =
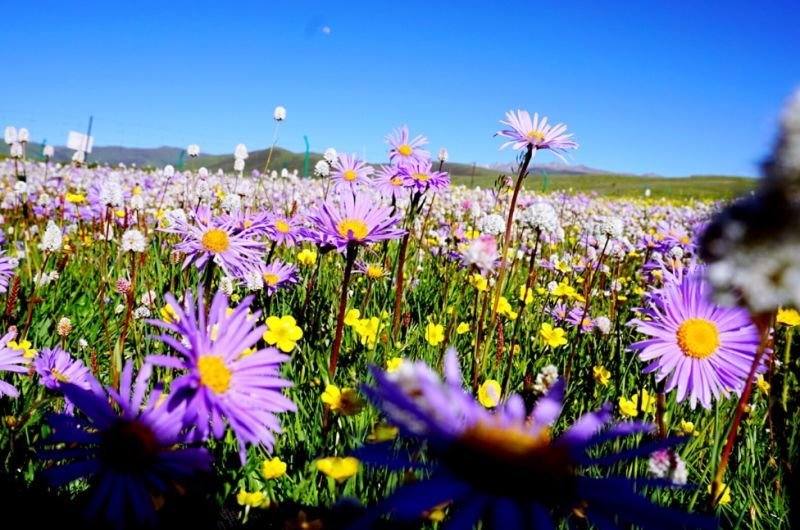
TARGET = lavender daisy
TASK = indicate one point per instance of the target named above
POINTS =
(420, 176)
(7, 266)
(57, 367)
(234, 249)
(349, 172)
(405, 149)
(225, 380)
(131, 450)
(537, 134)
(702, 349)
(287, 231)
(11, 360)
(279, 275)
(355, 220)
(390, 182)
(504, 464)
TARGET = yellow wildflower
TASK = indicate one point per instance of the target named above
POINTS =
(687, 428)
(553, 337)
(762, 384)
(345, 400)
(283, 332)
(462, 328)
(788, 317)
(383, 432)
(337, 468)
(489, 393)
(393, 364)
(630, 407)
(478, 282)
(24, 346)
(723, 494)
(367, 330)
(504, 309)
(601, 375)
(252, 499)
(168, 314)
(525, 295)
(307, 257)
(74, 198)
(351, 317)
(434, 334)
(273, 468)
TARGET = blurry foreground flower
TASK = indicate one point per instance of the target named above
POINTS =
(503, 463)
(131, 449)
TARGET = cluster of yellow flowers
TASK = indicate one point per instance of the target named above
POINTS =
(367, 329)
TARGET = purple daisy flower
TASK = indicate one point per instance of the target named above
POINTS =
(356, 220)
(704, 350)
(11, 360)
(57, 367)
(279, 275)
(226, 381)
(349, 172)
(420, 176)
(538, 134)
(235, 250)
(390, 182)
(287, 230)
(504, 464)
(578, 316)
(403, 149)
(131, 450)
(7, 266)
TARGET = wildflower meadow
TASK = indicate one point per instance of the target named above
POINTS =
(374, 346)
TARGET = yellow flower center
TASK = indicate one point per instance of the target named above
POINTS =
(215, 240)
(536, 134)
(421, 177)
(214, 374)
(698, 338)
(404, 150)
(271, 279)
(352, 228)
(282, 226)
(350, 175)
(396, 181)
(374, 271)
(61, 378)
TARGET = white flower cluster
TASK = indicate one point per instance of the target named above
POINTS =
(492, 224)
(133, 241)
(545, 379)
(52, 240)
(540, 216)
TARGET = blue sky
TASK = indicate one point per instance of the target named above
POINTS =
(674, 88)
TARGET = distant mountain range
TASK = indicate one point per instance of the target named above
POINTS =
(281, 158)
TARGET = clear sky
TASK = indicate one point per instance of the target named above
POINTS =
(672, 87)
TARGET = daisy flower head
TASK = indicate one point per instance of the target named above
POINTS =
(222, 379)
(131, 448)
(209, 238)
(356, 220)
(349, 172)
(504, 465)
(287, 231)
(390, 183)
(418, 175)
(404, 149)
(538, 134)
(702, 349)
(11, 360)
(56, 367)
(279, 275)
(7, 266)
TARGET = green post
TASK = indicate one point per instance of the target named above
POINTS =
(41, 149)
(180, 159)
